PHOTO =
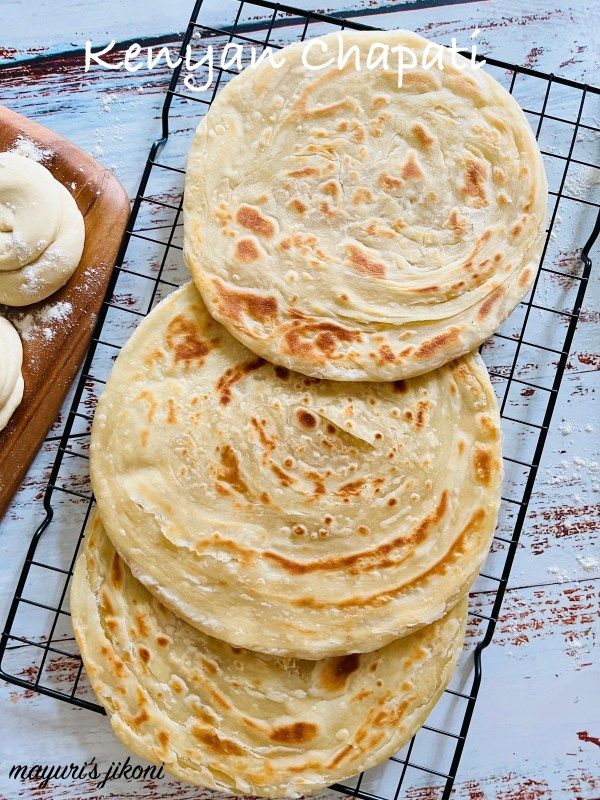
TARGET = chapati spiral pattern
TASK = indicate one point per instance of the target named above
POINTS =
(231, 719)
(287, 514)
(350, 229)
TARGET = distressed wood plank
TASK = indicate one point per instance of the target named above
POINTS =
(537, 684)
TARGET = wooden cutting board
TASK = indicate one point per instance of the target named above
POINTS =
(56, 332)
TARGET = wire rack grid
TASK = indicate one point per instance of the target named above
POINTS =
(526, 360)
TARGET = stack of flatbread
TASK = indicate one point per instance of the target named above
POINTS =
(297, 458)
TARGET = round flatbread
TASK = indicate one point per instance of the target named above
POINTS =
(287, 514)
(347, 228)
(235, 720)
(11, 379)
(41, 232)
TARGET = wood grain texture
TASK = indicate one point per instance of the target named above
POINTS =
(541, 672)
(51, 362)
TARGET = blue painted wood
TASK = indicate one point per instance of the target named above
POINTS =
(539, 676)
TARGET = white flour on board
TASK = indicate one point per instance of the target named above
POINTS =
(28, 149)
(37, 324)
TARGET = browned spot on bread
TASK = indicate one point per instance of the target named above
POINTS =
(284, 478)
(411, 169)
(297, 341)
(171, 414)
(362, 195)
(222, 214)
(295, 204)
(386, 353)
(185, 344)
(140, 621)
(483, 464)
(516, 230)
(392, 501)
(229, 470)
(163, 740)
(387, 181)
(340, 756)
(282, 373)
(361, 261)
(408, 415)
(144, 654)
(498, 175)
(380, 100)
(295, 733)
(285, 243)
(358, 133)
(422, 134)
(304, 172)
(426, 289)
(461, 446)
(233, 375)
(266, 441)
(210, 666)
(473, 186)
(162, 641)
(429, 347)
(140, 718)
(306, 419)
(247, 250)
(489, 302)
(456, 223)
(105, 604)
(421, 81)
(490, 428)
(326, 341)
(400, 387)
(331, 188)
(154, 357)
(335, 673)
(215, 743)
(254, 220)
(503, 199)
(149, 398)
(525, 278)
(422, 407)
(376, 556)
(233, 302)
(116, 572)
(325, 208)
(352, 489)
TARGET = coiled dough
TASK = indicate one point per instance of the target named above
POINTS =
(42, 232)
(11, 379)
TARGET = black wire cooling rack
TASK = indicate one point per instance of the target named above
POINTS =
(526, 359)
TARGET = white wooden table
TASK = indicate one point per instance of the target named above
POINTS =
(541, 675)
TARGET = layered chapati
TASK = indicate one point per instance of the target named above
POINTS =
(235, 720)
(287, 514)
(350, 229)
